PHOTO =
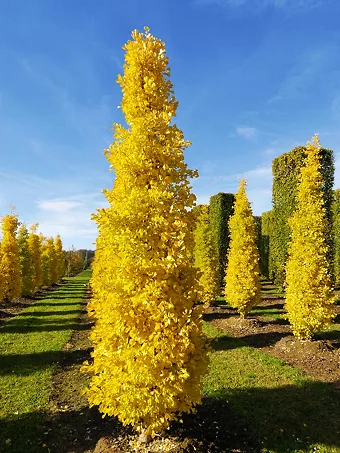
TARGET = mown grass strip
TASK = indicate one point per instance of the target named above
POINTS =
(284, 409)
(30, 348)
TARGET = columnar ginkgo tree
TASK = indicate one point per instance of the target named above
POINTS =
(242, 278)
(60, 257)
(35, 250)
(205, 258)
(149, 353)
(309, 300)
(48, 261)
(10, 268)
(27, 269)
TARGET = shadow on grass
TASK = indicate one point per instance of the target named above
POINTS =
(257, 340)
(53, 313)
(26, 364)
(45, 326)
(291, 417)
(269, 307)
(218, 315)
(58, 304)
(278, 321)
(332, 336)
(225, 342)
(262, 340)
(283, 419)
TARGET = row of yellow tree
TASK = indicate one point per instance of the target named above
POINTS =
(149, 354)
(309, 299)
(28, 260)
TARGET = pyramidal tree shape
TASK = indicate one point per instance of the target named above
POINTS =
(35, 251)
(242, 277)
(309, 301)
(205, 258)
(10, 267)
(149, 352)
(27, 270)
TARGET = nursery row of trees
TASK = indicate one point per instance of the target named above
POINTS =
(157, 255)
(29, 260)
(300, 253)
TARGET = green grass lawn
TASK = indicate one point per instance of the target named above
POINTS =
(279, 408)
(283, 409)
(30, 347)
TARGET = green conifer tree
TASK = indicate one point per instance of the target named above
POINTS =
(205, 259)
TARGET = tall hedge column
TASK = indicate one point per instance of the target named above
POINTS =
(286, 170)
(221, 208)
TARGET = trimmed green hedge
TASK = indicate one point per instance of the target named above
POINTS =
(336, 234)
(265, 244)
(221, 208)
(286, 169)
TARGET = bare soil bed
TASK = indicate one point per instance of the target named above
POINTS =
(271, 333)
(9, 309)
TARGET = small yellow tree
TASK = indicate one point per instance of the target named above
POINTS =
(309, 300)
(205, 258)
(27, 269)
(60, 258)
(242, 278)
(10, 268)
(1, 279)
(149, 351)
(34, 247)
(53, 262)
(47, 260)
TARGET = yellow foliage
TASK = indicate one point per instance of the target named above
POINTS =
(27, 269)
(60, 258)
(205, 258)
(34, 247)
(242, 272)
(48, 261)
(10, 268)
(149, 351)
(309, 300)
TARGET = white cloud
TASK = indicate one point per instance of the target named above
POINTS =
(65, 207)
(246, 132)
(71, 218)
(58, 205)
(259, 187)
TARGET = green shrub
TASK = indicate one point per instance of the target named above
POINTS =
(264, 244)
(221, 208)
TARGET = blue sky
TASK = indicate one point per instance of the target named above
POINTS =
(254, 78)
